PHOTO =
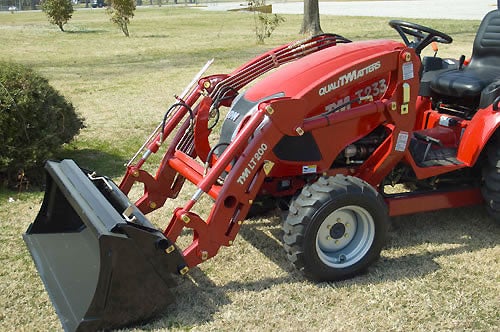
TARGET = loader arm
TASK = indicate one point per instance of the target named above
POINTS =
(178, 164)
(219, 88)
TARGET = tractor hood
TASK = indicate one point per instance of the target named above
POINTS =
(313, 78)
(309, 74)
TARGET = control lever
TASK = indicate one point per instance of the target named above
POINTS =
(461, 62)
(435, 48)
(428, 139)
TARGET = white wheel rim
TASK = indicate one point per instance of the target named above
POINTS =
(345, 236)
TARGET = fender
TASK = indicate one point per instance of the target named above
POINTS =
(479, 131)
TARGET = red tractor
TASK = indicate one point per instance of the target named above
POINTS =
(325, 136)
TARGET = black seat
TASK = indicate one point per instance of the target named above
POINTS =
(484, 66)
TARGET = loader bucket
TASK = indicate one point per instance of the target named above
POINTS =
(104, 265)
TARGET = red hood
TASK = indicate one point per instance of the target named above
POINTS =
(308, 74)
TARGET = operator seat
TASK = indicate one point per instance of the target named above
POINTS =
(484, 66)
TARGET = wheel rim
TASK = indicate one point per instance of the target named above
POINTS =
(345, 236)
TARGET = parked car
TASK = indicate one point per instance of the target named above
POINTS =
(98, 3)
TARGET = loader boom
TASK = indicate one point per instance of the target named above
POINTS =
(232, 201)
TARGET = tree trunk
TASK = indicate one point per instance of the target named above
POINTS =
(60, 25)
(310, 23)
(125, 29)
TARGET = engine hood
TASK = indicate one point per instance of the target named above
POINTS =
(308, 74)
(314, 78)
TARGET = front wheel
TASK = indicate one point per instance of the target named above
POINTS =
(335, 228)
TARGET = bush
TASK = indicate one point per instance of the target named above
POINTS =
(35, 121)
(120, 13)
(265, 23)
(59, 12)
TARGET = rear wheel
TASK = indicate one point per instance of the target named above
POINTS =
(491, 179)
(335, 228)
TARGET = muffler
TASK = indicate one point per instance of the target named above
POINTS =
(103, 264)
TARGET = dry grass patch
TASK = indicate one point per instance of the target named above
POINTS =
(439, 271)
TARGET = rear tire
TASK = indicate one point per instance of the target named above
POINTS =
(335, 228)
(491, 179)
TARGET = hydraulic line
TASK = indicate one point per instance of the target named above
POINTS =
(155, 132)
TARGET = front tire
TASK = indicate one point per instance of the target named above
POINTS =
(335, 228)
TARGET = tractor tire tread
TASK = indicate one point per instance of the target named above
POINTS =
(303, 208)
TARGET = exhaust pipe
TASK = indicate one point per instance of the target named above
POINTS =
(103, 264)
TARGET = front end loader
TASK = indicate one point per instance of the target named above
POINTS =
(325, 136)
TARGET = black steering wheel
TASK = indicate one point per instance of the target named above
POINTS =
(423, 35)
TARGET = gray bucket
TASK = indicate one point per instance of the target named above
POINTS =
(104, 265)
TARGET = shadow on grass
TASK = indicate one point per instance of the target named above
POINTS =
(155, 36)
(84, 31)
(103, 163)
(197, 299)
(448, 232)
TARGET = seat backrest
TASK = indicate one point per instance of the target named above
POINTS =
(486, 49)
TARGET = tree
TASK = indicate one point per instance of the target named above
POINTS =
(265, 22)
(59, 12)
(121, 11)
(310, 23)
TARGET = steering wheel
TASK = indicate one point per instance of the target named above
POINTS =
(423, 35)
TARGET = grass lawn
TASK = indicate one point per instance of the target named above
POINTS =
(439, 271)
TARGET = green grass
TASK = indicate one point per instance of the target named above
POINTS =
(439, 271)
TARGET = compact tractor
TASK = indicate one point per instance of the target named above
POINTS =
(324, 136)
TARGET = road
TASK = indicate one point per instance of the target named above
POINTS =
(451, 9)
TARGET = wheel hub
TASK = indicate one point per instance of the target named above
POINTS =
(345, 236)
(337, 231)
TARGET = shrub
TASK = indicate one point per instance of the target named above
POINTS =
(265, 23)
(59, 12)
(35, 120)
(120, 13)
